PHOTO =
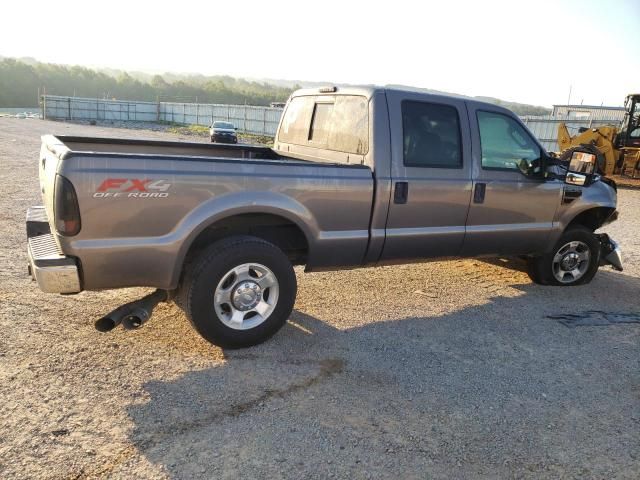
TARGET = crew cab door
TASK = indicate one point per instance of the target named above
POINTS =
(431, 176)
(512, 208)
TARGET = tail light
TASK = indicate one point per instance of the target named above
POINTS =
(66, 210)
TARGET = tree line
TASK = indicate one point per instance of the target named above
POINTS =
(20, 82)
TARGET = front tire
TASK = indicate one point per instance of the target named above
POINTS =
(574, 260)
(239, 292)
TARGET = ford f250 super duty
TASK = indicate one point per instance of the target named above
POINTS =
(358, 176)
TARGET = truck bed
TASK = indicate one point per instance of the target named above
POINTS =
(115, 146)
(142, 202)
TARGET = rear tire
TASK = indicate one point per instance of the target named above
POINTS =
(239, 292)
(574, 260)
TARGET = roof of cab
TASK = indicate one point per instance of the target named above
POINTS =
(369, 90)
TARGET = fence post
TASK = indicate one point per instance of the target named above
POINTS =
(244, 125)
(197, 114)
(68, 108)
(184, 113)
(264, 121)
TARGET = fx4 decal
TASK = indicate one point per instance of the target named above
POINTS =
(132, 188)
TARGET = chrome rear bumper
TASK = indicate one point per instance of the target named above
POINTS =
(48, 266)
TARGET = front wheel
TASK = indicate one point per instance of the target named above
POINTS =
(574, 260)
(239, 292)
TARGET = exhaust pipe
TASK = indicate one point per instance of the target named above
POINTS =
(113, 319)
(133, 314)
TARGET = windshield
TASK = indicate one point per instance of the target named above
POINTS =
(223, 125)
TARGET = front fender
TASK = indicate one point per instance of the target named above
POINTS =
(596, 196)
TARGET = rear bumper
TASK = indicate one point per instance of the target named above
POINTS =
(48, 266)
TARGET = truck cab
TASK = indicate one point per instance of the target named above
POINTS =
(454, 176)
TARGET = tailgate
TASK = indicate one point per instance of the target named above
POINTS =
(49, 160)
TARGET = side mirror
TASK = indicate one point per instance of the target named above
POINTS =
(581, 166)
(581, 162)
(575, 179)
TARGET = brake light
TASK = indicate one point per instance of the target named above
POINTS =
(66, 210)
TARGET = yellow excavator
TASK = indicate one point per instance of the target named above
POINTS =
(617, 147)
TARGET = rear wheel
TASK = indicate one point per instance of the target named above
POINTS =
(239, 292)
(574, 260)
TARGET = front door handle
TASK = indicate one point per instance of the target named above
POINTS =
(401, 192)
(478, 192)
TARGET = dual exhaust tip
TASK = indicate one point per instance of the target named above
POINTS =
(132, 315)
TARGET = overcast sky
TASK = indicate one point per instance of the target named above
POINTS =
(528, 52)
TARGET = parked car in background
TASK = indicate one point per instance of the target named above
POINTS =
(223, 132)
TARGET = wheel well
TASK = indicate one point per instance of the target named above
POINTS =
(275, 229)
(593, 218)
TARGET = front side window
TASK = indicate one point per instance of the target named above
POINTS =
(431, 135)
(504, 142)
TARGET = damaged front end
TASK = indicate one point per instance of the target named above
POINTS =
(610, 253)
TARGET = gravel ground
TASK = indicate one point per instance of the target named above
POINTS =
(437, 370)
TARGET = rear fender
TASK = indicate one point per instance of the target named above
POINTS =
(219, 208)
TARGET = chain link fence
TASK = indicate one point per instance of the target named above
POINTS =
(247, 118)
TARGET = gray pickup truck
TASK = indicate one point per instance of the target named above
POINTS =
(357, 177)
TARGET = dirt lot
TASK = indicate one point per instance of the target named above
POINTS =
(440, 370)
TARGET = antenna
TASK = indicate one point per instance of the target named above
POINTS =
(569, 99)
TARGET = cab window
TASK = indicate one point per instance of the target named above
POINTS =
(505, 144)
(295, 124)
(431, 135)
(339, 123)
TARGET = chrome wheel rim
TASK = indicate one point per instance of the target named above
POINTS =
(571, 262)
(246, 296)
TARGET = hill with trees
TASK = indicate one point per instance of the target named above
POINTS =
(20, 80)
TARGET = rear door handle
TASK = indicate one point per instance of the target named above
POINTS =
(478, 192)
(401, 192)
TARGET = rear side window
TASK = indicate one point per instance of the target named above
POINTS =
(339, 123)
(431, 135)
(320, 123)
(295, 124)
(504, 142)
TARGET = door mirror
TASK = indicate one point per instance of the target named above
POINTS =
(575, 179)
(582, 162)
(581, 166)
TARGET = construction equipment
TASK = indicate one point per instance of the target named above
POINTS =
(616, 146)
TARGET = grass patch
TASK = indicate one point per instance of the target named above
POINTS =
(256, 139)
(193, 130)
(202, 131)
